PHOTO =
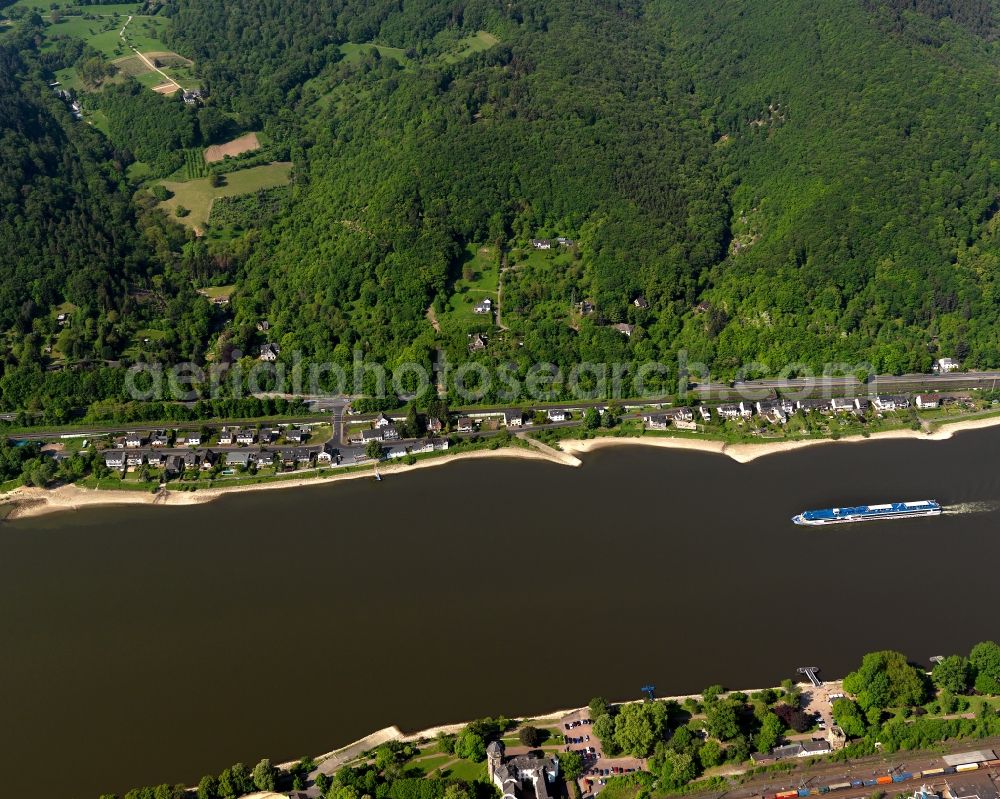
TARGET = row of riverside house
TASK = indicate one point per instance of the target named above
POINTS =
(778, 410)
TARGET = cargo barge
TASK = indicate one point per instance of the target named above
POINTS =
(864, 513)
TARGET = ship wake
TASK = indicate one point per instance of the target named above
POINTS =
(973, 507)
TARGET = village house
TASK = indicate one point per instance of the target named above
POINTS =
(382, 421)
(390, 433)
(772, 410)
(159, 440)
(655, 421)
(565, 242)
(808, 405)
(420, 447)
(624, 328)
(173, 465)
(477, 342)
(375, 434)
(882, 402)
(239, 457)
(293, 456)
(684, 414)
(706, 414)
(844, 404)
(191, 459)
(325, 456)
(541, 244)
(208, 460)
(513, 418)
(925, 401)
(434, 425)
(189, 439)
(484, 306)
(192, 96)
(114, 458)
(263, 326)
(728, 411)
(555, 415)
(134, 440)
(270, 352)
(440, 444)
(155, 459)
(943, 366)
(296, 435)
(585, 308)
(465, 424)
(399, 451)
(226, 436)
(523, 776)
(135, 457)
(62, 319)
(246, 436)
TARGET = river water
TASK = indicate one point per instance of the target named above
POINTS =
(142, 644)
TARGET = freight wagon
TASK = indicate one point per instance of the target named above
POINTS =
(967, 767)
(931, 772)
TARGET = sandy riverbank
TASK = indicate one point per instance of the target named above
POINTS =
(745, 453)
(31, 502)
(23, 503)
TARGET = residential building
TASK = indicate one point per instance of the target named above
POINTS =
(399, 451)
(640, 302)
(441, 444)
(706, 414)
(685, 424)
(477, 342)
(208, 460)
(808, 405)
(134, 457)
(270, 352)
(513, 418)
(390, 433)
(926, 401)
(746, 409)
(159, 440)
(944, 366)
(189, 439)
(155, 459)
(267, 435)
(192, 96)
(434, 425)
(191, 459)
(375, 434)
(883, 402)
(296, 435)
(382, 421)
(246, 436)
(484, 306)
(624, 328)
(226, 436)
(555, 415)
(728, 411)
(420, 447)
(844, 404)
(656, 421)
(174, 464)
(541, 244)
(134, 440)
(465, 424)
(239, 457)
(263, 325)
(683, 414)
(114, 458)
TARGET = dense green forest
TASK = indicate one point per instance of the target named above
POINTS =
(780, 182)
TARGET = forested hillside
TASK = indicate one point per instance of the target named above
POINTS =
(782, 181)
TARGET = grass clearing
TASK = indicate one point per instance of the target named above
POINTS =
(466, 770)
(477, 43)
(198, 195)
(480, 265)
(217, 292)
(354, 52)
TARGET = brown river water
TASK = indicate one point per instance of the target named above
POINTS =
(146, 644)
